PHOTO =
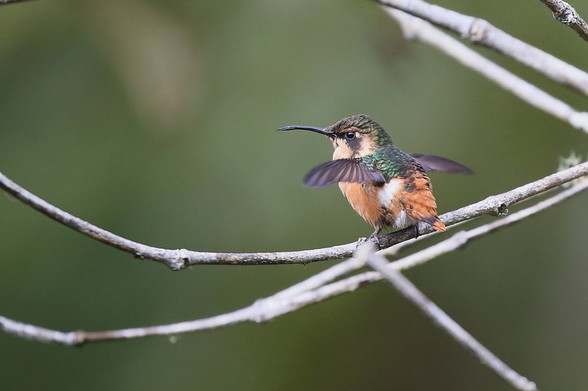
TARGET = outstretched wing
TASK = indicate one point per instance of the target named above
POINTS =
(438, 163)
(341, 170)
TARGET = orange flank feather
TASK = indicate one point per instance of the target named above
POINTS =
(418, 200)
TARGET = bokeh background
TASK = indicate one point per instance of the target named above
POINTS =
(156, 120)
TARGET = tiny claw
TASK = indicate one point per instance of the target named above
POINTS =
(372, 238)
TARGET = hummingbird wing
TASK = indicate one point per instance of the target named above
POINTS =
(341, 170)
(438, 163)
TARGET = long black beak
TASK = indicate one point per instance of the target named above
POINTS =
(311, 128)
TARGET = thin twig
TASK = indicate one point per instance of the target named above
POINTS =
(424, 31)
(413, 294)
(290, 299)
(566, 14)
(481, 32)
(181, 258)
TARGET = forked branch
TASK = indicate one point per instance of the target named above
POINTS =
(481, 32)
(414, 27)
(313, 290)
(440, 318)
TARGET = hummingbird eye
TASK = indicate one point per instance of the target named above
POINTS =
(349, 135)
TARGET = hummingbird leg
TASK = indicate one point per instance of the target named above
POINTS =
(374, 235)
(372, 238)
(416, 230)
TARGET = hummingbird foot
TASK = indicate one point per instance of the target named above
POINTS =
(373, 238)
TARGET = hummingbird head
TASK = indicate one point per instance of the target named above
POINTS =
(352, 137)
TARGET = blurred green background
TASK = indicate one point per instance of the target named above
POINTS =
(155, 120)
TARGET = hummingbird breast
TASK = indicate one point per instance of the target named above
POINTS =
(364, 199)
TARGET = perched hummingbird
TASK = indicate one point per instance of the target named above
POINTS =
(387, 187)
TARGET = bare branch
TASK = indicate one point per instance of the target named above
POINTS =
(481, 32)
(424, 31)
(313, 290)
(440, 318)
(261, 311)
(181, 258)
(566, 14)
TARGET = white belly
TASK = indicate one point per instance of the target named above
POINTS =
(402, 220)
(389, 192)
(389, 197)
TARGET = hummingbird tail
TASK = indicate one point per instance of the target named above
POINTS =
(438, 226)
(435, 223)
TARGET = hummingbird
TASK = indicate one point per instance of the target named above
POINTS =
(387, 187)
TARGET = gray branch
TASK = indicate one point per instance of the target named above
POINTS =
(178, 259)
(440, 318)
(414, 27)
(481, 32)
(313, 290)
(566, 14)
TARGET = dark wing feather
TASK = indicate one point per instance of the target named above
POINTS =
(438, 163)
(341, 170)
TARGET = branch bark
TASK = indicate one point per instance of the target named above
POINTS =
(566, 14)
